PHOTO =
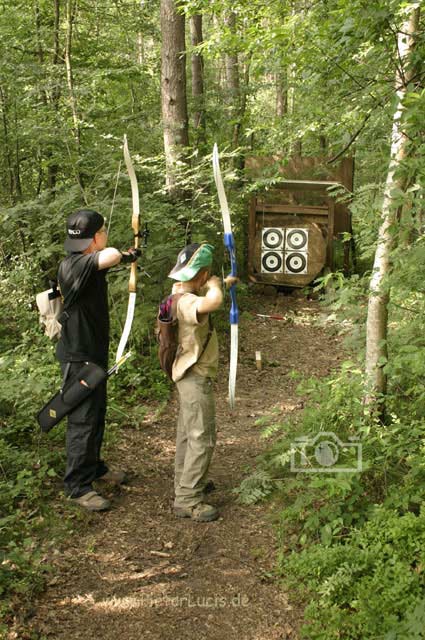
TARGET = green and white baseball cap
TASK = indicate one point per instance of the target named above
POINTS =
(191, 260)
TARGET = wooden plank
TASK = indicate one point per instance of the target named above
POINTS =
(304, 185)
(311, 168)
(272, 219)
(312, 183)
(297, 209)
(347, 170)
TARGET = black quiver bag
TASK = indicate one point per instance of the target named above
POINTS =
(74, 391)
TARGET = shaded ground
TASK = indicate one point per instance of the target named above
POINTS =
(136, 571)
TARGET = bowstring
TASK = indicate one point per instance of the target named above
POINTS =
(114, 196)
(111, 297)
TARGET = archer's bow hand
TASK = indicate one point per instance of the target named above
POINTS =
(130, 255)
(229, 281)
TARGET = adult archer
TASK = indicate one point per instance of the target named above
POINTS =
(85, 338)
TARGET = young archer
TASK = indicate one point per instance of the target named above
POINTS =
(194, 370)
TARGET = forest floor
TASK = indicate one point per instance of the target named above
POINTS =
(138, 572)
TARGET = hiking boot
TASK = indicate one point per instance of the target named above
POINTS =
(201, 512)
(92, 501)
(114, 477)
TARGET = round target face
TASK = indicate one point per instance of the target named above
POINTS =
(272, 238)
(295, 263)
(296, 239)
(271, 262)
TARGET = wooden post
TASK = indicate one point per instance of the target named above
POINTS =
(251, 234)
(331, 224)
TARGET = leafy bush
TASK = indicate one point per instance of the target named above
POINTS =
(365, 585)
(351, 544)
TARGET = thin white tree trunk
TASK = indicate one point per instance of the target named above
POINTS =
(70, 7)
(377, 316)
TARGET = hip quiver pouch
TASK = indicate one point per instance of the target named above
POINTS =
(167, 332)
(72, 394)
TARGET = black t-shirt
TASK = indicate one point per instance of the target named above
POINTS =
(85, 331)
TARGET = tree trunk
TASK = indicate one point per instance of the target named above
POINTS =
(197, 80)
(18, 185)
(52, 168)
(140, 49)
(49, 97)
(281, 96)
(377, 316)
(295, 148)
(231, 60)
(323, 142)
(232, 82)
(43, 92)
(4, 104)
(173, 93)
(242, 102)
(76, 131)
(69, 73)
(40, 52)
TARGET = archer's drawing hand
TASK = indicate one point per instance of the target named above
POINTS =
(131, 255)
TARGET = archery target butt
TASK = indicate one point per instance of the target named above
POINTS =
(289, 254)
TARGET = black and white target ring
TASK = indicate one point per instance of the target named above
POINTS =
(272, 238)
(272, 261)
(295, 262)
(296, 239)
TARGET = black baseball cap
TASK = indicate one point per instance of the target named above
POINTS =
(81, 227)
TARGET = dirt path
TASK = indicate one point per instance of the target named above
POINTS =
(136, 571)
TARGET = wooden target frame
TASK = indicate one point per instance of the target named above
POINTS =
(300, 204)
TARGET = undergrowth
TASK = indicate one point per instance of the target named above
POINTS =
(352, 541)
(33, 517)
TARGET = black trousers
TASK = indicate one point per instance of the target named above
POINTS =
(84, 437)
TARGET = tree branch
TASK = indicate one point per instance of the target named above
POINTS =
(352, 139)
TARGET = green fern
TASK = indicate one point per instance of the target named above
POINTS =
(256, 487)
